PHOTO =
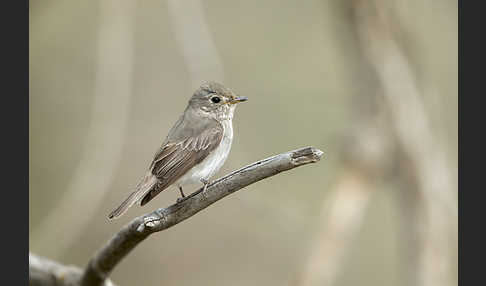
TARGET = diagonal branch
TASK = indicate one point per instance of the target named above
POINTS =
(105, 260)
(45, 272)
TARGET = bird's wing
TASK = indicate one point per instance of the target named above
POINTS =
(189, 141)
(176, 158)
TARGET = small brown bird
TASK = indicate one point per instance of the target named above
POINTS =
(195, 149)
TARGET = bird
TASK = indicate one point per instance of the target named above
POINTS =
(195, 148)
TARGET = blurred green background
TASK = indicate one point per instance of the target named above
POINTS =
(109, 78)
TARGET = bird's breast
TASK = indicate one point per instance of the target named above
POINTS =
(214, 161)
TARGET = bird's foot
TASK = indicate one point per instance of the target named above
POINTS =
(205, 182)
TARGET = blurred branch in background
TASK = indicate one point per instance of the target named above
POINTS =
(364, 158)
(104, 142)
(194, 37)
(339, 226)
(427, 156)
(428, 201)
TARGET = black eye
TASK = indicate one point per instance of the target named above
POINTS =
(215, 99)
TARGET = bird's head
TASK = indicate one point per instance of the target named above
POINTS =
(215, 100)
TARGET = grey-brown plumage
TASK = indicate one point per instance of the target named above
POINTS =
(195, 148)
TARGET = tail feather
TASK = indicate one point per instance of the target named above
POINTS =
(144, 187)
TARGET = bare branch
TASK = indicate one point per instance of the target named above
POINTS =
(141, 227)
(45, 272)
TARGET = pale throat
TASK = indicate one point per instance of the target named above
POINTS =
(228, 114)
(225, 112)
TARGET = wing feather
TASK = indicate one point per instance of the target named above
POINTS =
(177, 158)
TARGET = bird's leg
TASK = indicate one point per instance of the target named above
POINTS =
(182, 193)
(206, 182)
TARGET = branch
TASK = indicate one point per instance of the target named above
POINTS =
(45, 272)
(105, 260)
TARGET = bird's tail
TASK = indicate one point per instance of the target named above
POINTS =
(145, 186)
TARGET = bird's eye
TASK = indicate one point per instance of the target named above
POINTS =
(215, 99)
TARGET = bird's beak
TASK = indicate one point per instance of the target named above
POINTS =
(238, 99)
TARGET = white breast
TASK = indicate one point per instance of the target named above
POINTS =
(213, 162)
